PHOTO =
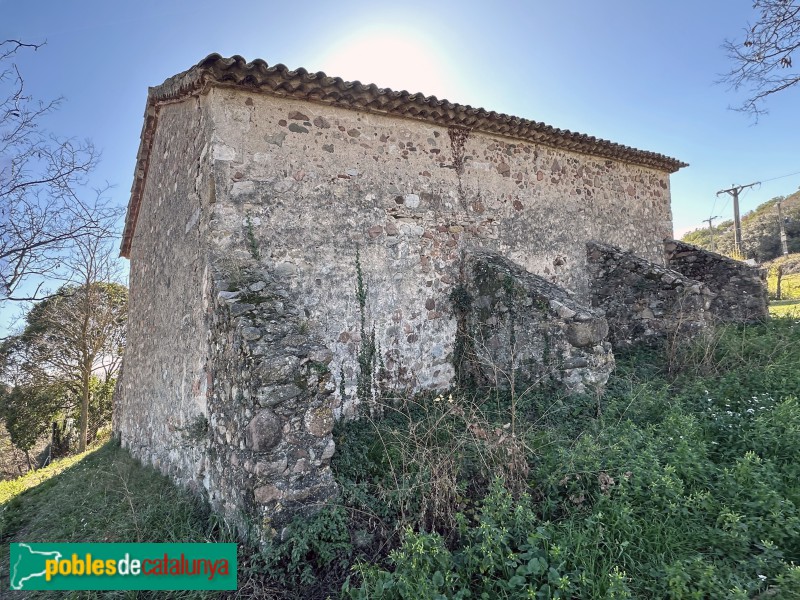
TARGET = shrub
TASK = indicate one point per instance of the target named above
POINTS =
(685, 485)
(313, 546)
(505, 552)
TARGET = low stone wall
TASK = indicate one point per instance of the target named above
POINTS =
(516, 328)
(271, 408)
(643, 301)
(741, 290)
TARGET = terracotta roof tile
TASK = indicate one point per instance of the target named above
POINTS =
(214, 70)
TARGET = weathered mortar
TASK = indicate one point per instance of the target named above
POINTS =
(517, 329)
(250, 203)
(318, 180)
(160, 408)
(644, 302)
(741, 290)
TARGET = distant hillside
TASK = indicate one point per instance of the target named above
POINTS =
(760, 231)
(790, 264)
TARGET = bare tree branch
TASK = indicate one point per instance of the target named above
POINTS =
(46, 207)
(763, 62)
(10, 47)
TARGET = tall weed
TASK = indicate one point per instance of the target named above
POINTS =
(685, 485)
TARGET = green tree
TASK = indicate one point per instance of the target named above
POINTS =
(28, 410)
(65, 357)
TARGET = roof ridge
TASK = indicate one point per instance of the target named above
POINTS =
(279, 80)
(320, 87)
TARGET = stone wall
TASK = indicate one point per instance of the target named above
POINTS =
(271, 407)
(224, 388)
(316, 182)
(161, 404)
(741, 290)
(643, 301)
(517, 330)
(262, 216)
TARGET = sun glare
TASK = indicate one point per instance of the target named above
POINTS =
(396, 59)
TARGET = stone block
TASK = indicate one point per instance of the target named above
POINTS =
(643, 302)
(264, 431)
(319, 421)
(267, 493)
(587, 333)
(518, 324)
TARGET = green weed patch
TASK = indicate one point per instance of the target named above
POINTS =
(682, 481)
(790, 286)
(785, 308)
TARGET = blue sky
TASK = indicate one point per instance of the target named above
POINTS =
(636, 72)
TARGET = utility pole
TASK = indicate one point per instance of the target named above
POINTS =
(710, 220)
(784, 245)
(737, 223)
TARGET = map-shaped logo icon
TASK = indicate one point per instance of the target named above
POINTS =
(27, 564)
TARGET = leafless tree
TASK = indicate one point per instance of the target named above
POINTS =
(45, 203)
(99, 315)
(762, 62)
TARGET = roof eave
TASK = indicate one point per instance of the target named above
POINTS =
(278, 80)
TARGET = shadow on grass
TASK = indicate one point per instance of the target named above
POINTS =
(106, 497)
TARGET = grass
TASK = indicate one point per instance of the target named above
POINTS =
(790, 285)
(11, 488)
(785, 308)
(684, 484)
(102, 495)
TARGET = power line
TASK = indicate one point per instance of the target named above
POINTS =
(714, 206)
(734, 191)
(725, 206)
(780, 177)
(710, 221)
